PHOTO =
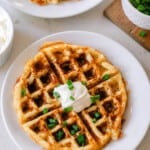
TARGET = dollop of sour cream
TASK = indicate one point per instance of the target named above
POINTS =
(78, 97)
(3, 31)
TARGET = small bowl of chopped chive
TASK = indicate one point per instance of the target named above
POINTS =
(138, 12)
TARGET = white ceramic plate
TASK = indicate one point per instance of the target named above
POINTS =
(137, 116)
(61, 10)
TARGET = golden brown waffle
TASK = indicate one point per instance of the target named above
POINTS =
(54, 64)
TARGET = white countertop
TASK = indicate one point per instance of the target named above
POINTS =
(29, 29)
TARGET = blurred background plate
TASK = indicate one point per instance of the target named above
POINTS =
(65, 9)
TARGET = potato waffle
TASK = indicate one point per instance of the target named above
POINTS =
(55, 64)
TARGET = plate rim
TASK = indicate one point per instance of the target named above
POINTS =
(58, 34)
(51, 16)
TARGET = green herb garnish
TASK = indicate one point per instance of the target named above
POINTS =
(142, 6)
(75, 127)
(81, 139)
(50, 126)
(59, 135)
(73, 132)
(143, 33)
(95, 98)
(68, 109)
(52, 123)
(45, 110)
(84, 83)
(56, 94)
(72, 98)
(52, 120)
(65, 123)
(94, 120)
(106, 77)
(70, 85)
(23, 92)
(97, 115)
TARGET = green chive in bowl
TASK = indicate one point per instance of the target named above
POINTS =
(137, 12)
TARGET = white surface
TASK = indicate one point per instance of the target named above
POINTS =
(28, 29)
(136, 16)
(65, 9)
(135, 111)
(8, 28)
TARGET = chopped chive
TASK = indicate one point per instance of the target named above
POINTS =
(70, 85)
(143, 33)
(142, 6)
(50, 126)
(59, 135)
(146, 12)
(52, 123)
(94, 120)
(137, 1)
(23, 92)
(69, 82)
(134, 3)
(73, 132)
(65, 123)
(52, 120)
(106, 77)
(94, 98)
(75, 127)
(45, 110)
(81, 139)
(97, 115)
(72, 98)
(68, 109)
(84, 83)
(56, 94)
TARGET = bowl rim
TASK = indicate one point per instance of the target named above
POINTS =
(136, 10)
(11, 34)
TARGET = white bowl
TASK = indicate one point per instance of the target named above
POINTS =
(135, 16)
(5, 50)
